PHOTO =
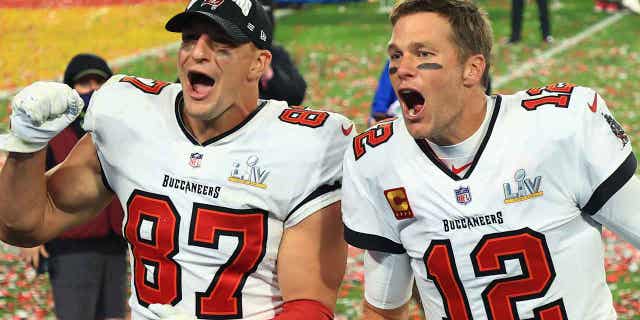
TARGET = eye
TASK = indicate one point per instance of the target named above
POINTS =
(188, 37)
(424, 54)
(395, 55)
(223, 51)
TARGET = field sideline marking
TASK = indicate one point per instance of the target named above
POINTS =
(563, 46)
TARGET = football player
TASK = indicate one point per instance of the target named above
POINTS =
(494, 204)
(221, 224)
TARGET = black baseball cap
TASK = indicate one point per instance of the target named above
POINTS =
(242, 20)
(84, 64)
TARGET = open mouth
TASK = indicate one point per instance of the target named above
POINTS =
(413, 100)
(200, 82)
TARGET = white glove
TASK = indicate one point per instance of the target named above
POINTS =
(38, 113)
(169, 312)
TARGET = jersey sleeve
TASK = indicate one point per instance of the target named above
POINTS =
(388, 279)
(621, 213)
(606, 161)
(92, 121)
(324, 185)
(366, 221)
(102, 96)
(89, 121)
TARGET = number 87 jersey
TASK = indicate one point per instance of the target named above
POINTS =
(204, 221)
(512, 238)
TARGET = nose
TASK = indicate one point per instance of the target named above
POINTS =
(406, 68)
(201, 48)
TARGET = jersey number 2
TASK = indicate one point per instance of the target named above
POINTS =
(488, 259)
(152, 229)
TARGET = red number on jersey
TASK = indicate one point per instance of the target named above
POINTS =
(488, 259)
(152, 229)
(304, 117)
(446, 278)
(561, 100)
(154, 88)
(374, 137)
(223, 297)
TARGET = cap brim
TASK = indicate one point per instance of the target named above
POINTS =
(97, 72)
(176, 24)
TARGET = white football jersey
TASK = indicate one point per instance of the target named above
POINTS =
(512, 238)
(204, 221)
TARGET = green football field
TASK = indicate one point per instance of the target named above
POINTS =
(340, 49)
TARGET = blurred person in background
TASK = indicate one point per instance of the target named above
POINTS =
(613, 6)
(608, 6)
(385, 103)
(281, 80)
(517, 12)
(86, 264)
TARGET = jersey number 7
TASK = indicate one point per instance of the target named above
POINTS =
(152, 230)
(488, 259)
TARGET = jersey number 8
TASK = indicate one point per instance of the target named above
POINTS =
(152, 230)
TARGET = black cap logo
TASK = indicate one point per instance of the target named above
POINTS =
(213, 3)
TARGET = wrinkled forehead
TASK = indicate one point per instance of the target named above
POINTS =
(426, 28)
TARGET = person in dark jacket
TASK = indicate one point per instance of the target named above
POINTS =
(281, 80)
(86, 264)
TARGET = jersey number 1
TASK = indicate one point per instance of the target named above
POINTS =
(488, 259)
(152, 229)
(561, 100)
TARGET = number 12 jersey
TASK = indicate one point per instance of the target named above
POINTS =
(512, 238)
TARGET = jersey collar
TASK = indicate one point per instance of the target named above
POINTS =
(179, 105)
(424, 146)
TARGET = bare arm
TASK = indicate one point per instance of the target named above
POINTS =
(36, 207)
(312, 258)
(370, 312)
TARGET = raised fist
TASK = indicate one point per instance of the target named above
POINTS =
(39, 112)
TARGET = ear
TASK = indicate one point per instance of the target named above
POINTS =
(261, 61)
(473, 70)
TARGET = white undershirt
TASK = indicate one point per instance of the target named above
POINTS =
(460, 155)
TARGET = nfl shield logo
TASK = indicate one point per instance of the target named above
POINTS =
(463, 195)
(195, 159)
